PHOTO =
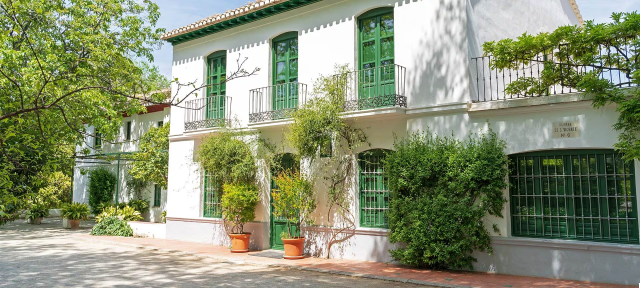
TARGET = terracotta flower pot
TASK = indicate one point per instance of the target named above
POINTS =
(74, 224)
(293, 248)
(240, 242)
(36, 221)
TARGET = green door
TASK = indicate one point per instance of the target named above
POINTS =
(285, 71)
(376, 77)
(278, 225)
(216, 74)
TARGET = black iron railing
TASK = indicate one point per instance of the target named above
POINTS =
(533, 75)
(276, 102)
(372, 88)
(209, 112)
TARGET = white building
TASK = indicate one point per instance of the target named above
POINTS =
(133, 128)
(429, 49)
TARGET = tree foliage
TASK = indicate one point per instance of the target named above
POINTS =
(239, 203)
(57, 192)
(151, 163)
(441, 190)
(102, 184)
(583, 58)
(227, 158)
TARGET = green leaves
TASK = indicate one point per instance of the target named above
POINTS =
(293, 199)
(102, 184)
(441, 190)
(152, 160)
(239, 203)
(112, 226)
(75, 211)
(227, 158)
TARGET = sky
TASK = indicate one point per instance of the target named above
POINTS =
(175, 14)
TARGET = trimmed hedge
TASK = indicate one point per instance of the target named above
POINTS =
(441, 190)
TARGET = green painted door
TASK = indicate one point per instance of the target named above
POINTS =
(376, 77)
(278, 225)
(285, 71)
(216, 74)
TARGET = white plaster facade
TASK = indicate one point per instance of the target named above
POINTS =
(434, 40)
(140, 124)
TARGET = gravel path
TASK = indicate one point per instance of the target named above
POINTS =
(48, 256)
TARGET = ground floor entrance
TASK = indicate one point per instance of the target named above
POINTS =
(277, 225)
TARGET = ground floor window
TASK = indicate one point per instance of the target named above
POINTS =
(573, 194)
(157, 195)
(211, 199)
(374, 190)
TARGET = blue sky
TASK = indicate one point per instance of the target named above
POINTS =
(183, 12)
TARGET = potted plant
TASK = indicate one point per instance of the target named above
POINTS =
(293, 199)
(74, 213)
(36, 213)
(239, 203)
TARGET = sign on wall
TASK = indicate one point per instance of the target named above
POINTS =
(566, 129)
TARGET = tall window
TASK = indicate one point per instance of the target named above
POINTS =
(374, 190)
(212, 207)
(160, 123)
(127, 132)
(573, 194)
(376, 77)
(285, 71)
(216, 77)
(157, 195)
(97, 140)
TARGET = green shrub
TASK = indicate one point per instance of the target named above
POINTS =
(141, 206)
(441, 189)
(227, 159)
(37, 211)
(294, 200)
(239, 205)
(126, 213)
(75, 211)
(164, 216)
(57, 192)
(112, 226)
(101, 187)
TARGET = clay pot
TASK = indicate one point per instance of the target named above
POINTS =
(36, 221)
(293, 248)
(74, 224)
(240, 242)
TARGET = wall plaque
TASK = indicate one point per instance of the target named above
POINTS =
(566, 129)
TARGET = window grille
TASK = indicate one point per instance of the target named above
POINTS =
(374, 191)
(212, 207)
(574, 194)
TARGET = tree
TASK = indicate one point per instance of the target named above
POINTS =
(151, 163)
(602, 60)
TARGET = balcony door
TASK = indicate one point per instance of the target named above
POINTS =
(376, 78)
(216, 76)
(285, 72)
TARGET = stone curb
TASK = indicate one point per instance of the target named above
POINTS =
(226, 260)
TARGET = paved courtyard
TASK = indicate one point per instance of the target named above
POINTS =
(48, 256)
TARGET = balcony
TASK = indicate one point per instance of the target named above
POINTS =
(542, 74)
(372, 88)
(209, 112)
(276, 102)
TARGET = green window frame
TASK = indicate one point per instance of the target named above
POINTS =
(216, 86)
(373, 189)
(97, 140)
(285, 71)
(160, 124)
(128, 131)
(157, 195)
(587, 195)
(376, 56)
(211, 199)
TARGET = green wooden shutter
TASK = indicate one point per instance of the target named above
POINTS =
(376, 77)
(216, 76)
(97, 141)
(373, 189)
(573, 194)
(157, 195)
(285, 71)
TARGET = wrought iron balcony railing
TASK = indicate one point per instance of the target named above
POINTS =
(276, 102)
(209, 112)
(372, 88)
(536, 75)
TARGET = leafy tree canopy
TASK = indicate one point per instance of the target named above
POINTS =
(600, 59)
(152, 160)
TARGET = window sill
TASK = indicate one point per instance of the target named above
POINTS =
(567, 244)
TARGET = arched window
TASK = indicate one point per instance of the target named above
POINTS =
(376, 59)
(216, 86)
(373, 189)
(285, 71)
(573, 194)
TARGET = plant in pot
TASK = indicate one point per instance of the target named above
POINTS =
(293, 199)
(239, 203)
(75, 212)
(36, 213)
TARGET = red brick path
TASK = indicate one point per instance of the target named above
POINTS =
(352, 267)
